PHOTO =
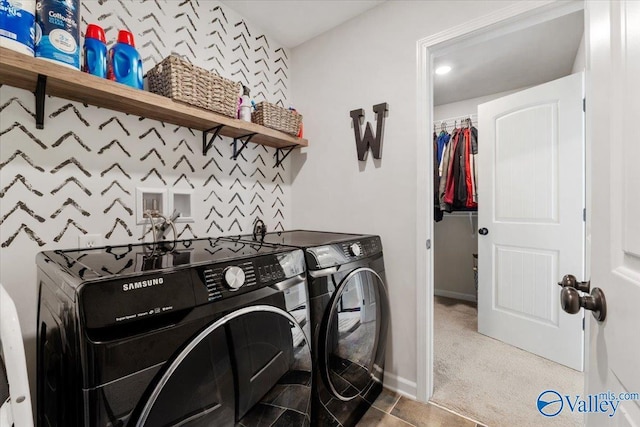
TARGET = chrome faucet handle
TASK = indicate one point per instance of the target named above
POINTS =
(161, 232)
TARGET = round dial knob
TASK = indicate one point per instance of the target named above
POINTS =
(355, 249)
(233, 277)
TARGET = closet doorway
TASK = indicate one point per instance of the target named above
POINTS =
(510, 276)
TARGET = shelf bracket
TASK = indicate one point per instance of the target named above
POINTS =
(244, 140)
(206, 145)
(279, 151)
(40, 93)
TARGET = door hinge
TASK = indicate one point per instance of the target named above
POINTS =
(584, 104)
(583, 322)
(584, 214)
(428, 243)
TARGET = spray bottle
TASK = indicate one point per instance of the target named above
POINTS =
(244, 111)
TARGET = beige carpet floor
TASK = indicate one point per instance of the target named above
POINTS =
(492, 382)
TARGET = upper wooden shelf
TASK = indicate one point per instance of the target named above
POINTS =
(22, 71)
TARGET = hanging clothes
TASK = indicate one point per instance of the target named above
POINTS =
(442, 142)
(474, 173)
(438, 215)
(446, 171)
(458, 173)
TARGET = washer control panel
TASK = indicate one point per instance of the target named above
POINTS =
(224, 280)
(233, 277)
(270, 271)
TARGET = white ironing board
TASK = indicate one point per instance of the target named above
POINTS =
(16, 410)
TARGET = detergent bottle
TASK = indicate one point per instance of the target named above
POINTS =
(95, 51)
(125, 64)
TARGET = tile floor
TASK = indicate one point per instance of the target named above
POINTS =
(393, 410)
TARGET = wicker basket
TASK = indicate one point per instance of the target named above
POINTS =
(277, 118)
(180, 80)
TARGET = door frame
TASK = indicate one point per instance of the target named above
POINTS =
(512, 18)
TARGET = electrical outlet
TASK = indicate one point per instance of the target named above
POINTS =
(90, 241)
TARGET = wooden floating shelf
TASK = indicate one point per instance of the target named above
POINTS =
(22, 71)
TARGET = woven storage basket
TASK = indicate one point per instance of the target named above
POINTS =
(277, 118)
(180, 80)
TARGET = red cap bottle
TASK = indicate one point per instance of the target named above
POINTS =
(126, 37)
(95, 32)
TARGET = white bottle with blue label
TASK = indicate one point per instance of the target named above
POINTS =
(57, 32)
(17, 18)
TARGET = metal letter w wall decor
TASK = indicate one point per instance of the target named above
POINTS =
(369, 140)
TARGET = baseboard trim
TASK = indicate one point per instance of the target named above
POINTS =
(455, 295)
(400, 385)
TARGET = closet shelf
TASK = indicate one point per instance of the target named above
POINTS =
(41, 76)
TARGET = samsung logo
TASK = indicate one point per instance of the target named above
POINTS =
(142, 284)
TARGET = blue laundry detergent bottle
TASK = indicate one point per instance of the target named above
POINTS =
(95, 51)
(125, 64)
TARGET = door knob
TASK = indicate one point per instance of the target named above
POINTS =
(483, 231)
(571, 302)
(570, 281)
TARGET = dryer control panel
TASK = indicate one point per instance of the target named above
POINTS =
(320, 257)
(361, 248)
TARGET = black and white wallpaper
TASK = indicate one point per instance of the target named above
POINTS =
(79, 174)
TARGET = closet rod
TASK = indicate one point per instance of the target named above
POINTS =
(451, 121)
(461, 213)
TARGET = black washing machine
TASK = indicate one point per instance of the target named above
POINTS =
(204, 332)
(349, 319)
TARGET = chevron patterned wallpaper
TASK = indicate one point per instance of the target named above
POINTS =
(79, 174)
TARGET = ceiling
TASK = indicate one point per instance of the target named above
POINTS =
(292, 23)
(531, 56)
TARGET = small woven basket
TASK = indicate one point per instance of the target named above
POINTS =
(180, 80)
(277, 118)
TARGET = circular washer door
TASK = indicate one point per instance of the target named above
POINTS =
(247, 368)
(354, 334)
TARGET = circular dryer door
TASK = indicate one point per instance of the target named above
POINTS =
(251, 367)
(354, 331)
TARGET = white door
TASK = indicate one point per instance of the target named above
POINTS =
(613, 116)
(531, 191)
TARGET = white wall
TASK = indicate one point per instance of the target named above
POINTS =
(467, 106)
(580, 63)
(454, 243)
(366, 61)
(48, 205)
